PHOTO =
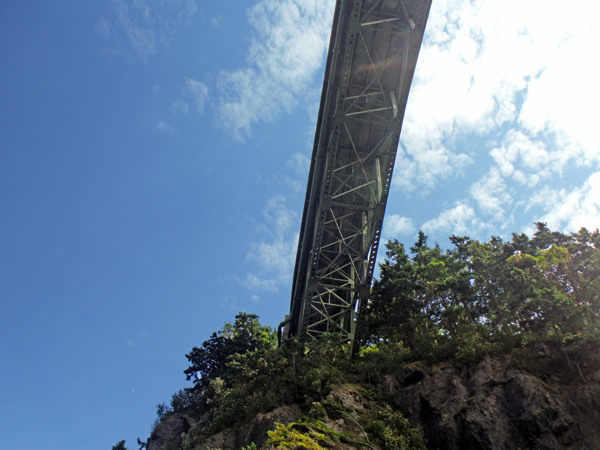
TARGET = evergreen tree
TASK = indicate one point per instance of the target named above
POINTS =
(120, 445)
(490, 292)
(216, 358)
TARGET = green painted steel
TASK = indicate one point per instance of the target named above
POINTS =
(372, 57)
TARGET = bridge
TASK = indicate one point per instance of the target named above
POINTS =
(370, 65)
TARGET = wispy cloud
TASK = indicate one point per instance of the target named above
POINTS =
(299, 163)
(273, 256)
(141, 28)
(289, 44)
(483, 67)
(459, 220)
(515, 95)
(199, 93)
(425, 168)
(231, 303)
(395, 226)
(193, 91)
(524, 160)
(570, 210)
(491, 194)
(165, 128)
(217, 20)
(180, 106)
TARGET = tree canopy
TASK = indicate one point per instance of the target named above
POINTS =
(120, 446)
(246, 337)
(547, 285)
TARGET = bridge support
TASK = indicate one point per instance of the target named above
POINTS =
(371, 61)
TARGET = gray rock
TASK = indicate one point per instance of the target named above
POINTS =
(167, 434)
(497, 407)
(254, 432)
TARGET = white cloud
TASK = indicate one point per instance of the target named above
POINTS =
(300, 163)
(425, 167)
(290, 41)
(217, 20)
(513, 92)
(231, 303)
(479, 60)
(570, 210)
(143, 27)
(519, 149)
(179, 106)
(459, 220)
(490, 193)
(294, 183)
(563, 100)
(396, 225)
(165, 128)
(274, 255)
(254, 283)
(198, 91)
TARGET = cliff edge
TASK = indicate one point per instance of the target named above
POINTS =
(492, 405)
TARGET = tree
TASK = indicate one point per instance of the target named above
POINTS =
(217, 356)
(487, 293)
(393, 301)
(120, 445)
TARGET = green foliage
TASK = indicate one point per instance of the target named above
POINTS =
(185, 398)
(537, 299)
(225, 351)
(162, 411)
(557, 361)
(485, 298)
(392, 431)
(192, 438)
(382, 426)
(303, 435)
(120, 446)
(295, 373)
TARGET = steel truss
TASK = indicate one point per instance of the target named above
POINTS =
(372, 56)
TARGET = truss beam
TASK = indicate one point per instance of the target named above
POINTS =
(371, 61)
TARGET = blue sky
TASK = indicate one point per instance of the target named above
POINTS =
(154, 157)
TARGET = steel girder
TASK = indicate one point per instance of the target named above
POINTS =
(371, 61)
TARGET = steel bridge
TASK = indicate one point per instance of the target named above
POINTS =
(370, 65)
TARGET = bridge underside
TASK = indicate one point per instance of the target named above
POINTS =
(371, 61)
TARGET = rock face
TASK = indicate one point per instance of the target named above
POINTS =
(488, 406)
(254, 432)
(167, 435)
(497, 407)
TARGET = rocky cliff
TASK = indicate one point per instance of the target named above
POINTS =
(493, 405)
(496, 406)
